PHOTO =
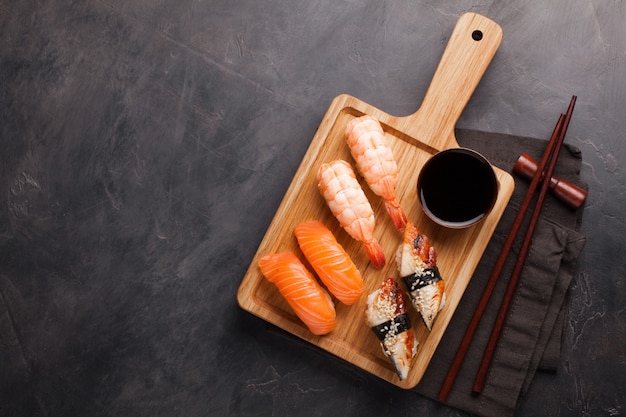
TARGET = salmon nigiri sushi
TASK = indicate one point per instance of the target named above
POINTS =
(330, 261)
(311, 303)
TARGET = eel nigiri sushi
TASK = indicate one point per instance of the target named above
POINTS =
(330, 261)
(416, 261)
(311, 303)
(375, 162)
(387, 317)
(344, 196)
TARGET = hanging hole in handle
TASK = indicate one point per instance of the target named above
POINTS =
(477, 35)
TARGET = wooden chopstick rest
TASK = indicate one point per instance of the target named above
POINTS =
(569, 193)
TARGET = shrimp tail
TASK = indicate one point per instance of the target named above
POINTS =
(396, 213)
(375, 252)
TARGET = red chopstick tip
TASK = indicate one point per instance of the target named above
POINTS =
(477, 388)
(443, 393)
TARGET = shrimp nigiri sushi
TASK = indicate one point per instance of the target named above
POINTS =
(311, 303)
(375, 162)
(416, 261)
(344, 196)
(330, 261)
(387, 317)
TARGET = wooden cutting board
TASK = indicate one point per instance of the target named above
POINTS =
(413, 140)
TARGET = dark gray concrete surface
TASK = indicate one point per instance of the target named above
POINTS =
(145, 146)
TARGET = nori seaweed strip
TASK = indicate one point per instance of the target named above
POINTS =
(415, 281)
(400, 323)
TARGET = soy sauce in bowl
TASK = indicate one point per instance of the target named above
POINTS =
(457, 187)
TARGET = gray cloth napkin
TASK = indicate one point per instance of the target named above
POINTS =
(531, 337)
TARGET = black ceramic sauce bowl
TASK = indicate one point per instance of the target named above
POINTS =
(457, 187)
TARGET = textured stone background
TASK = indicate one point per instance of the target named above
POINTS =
(147, 144)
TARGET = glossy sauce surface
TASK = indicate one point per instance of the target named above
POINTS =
(457, 187)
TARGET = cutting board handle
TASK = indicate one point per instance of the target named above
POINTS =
(473, 43)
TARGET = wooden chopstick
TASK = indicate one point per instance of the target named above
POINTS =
(481, 375)
(464, 346)
(455, 366)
